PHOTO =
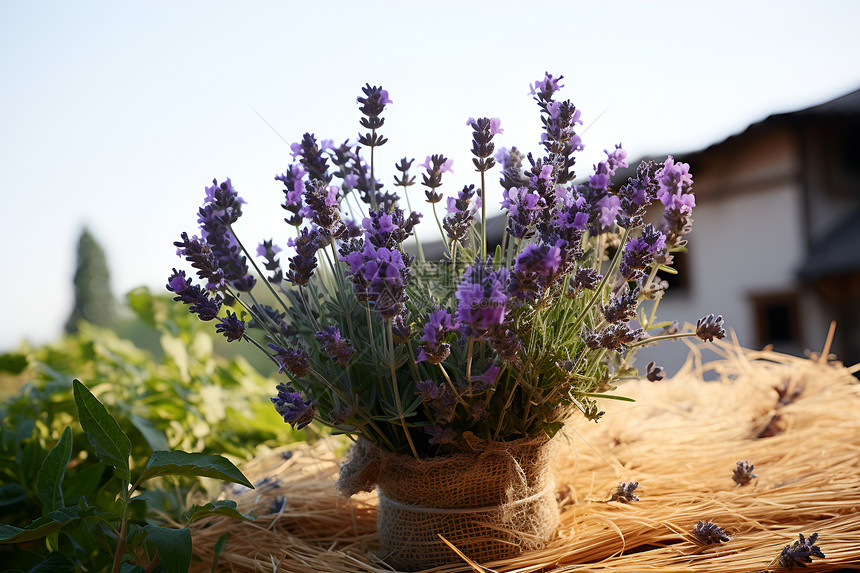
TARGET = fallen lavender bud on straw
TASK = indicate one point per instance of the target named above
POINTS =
(624, 492)
(743, 473)
(710, 533)
(800, 552)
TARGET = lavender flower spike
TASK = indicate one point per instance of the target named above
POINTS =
(461, 213)
(709, 327)
(338, 349)
(201, 304)
(294, 360)
(438, 324)
(296, 411)
(231, 327)
(482, 298)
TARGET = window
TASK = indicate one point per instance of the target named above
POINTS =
(777, 321)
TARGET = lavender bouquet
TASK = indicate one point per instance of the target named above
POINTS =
(496, 341)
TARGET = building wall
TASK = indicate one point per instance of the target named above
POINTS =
(747, 240)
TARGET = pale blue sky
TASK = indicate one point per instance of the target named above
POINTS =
(116, 115)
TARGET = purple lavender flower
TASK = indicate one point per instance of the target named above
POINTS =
(675, 192)
(544, 88)
(435, 165)
(222, 207)
(482, 298)
(338, 349)
(601, 178)
(568, 225)
(304, 262)
(404, 180)
(295, 410)
(512, 164)
(312, 158)
(294, 360)
(639, 252)
(622, 307)
(268, 251)
(524, 210)
(539, 259)
(482, 146)
(641, 189)
(231, 327)
(572, 212)
(433, 348)
(710, 327)
(543, 181)
(615, 159)
(478, 412)
(293, 192)
(636, 195)
(401, 329)
(674, 182)
(321, 205)
(536, 267)
(380, 276)
(440, 399)
(585, 278)
(559, 138)
(197, 252)
(610, 206)
(372, 105)
(461, 213)
(205, 307)
(389, 228)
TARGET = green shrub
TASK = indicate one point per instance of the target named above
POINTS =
(176, 396)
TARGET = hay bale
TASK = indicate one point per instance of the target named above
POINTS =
(795, 419)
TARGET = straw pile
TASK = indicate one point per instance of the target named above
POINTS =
(797, 420)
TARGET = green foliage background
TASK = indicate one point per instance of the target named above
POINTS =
(170, 389)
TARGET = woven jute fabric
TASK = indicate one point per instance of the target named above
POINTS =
(492, 502)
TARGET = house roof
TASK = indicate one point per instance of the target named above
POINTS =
(845, 105)
(837, 253)
(848, 104)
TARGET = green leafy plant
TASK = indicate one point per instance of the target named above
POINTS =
(181, 394)
(86, 535)
(166, 383)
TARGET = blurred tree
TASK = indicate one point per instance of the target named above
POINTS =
(94, 300)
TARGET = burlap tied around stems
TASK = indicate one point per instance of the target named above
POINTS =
(492, 503)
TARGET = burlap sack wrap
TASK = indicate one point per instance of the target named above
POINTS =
(492, 503)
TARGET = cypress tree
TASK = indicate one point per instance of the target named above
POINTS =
(94, 300)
